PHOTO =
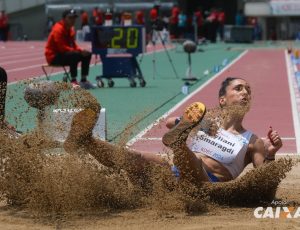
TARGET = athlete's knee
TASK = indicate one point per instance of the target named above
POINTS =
(84, 121)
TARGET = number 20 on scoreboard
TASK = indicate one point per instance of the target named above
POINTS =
(129, 36)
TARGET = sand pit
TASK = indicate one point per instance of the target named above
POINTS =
(223, 217)
(40, 190)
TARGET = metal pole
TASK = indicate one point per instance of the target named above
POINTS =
(190, 66)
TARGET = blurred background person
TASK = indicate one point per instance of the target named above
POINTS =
(50, 23)
(84, 18)
(182, 20)
(174, 33)
(198, 20)
(212, 25)
(4, 26)
(221, 23)
(240, 19)
(154, 14)
(139, 17)
(97, 17)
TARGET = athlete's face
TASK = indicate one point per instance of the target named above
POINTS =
(238, 92)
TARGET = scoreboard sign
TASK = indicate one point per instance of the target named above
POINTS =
(129, 39)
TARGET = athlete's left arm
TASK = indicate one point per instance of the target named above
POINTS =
(257, 151)
(272, 143)
(264, 151)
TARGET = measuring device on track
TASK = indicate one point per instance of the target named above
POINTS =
(118, 47)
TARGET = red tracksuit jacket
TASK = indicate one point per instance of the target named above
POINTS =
(60, 40)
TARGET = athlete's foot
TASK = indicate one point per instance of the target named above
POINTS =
(192, 116)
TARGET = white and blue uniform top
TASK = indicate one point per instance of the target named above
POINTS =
(227, 148)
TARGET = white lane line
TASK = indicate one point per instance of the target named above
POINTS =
(38, 58)
(290, 74)
(142, 133)
(20, 52)
(23, 68)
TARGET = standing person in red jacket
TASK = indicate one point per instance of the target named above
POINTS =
(98, 16)
(140, 17)
(84, 18)
(174, 21)
(221, 22)
(3, 26)
(154, 14)
(198, 17)
(213, 25)
(61, 49)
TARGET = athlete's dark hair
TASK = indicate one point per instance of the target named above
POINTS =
(226, 83)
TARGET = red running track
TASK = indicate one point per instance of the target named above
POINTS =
(23, 60)
(266, 71)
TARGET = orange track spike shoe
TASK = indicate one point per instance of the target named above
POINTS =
(192, 116)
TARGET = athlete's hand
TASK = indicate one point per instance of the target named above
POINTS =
(272, 142)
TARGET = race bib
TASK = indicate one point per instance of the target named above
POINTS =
(224, 147)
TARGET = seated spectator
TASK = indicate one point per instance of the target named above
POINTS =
(61, 49)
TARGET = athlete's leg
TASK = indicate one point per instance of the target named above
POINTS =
(80, 137)
(190, 167)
